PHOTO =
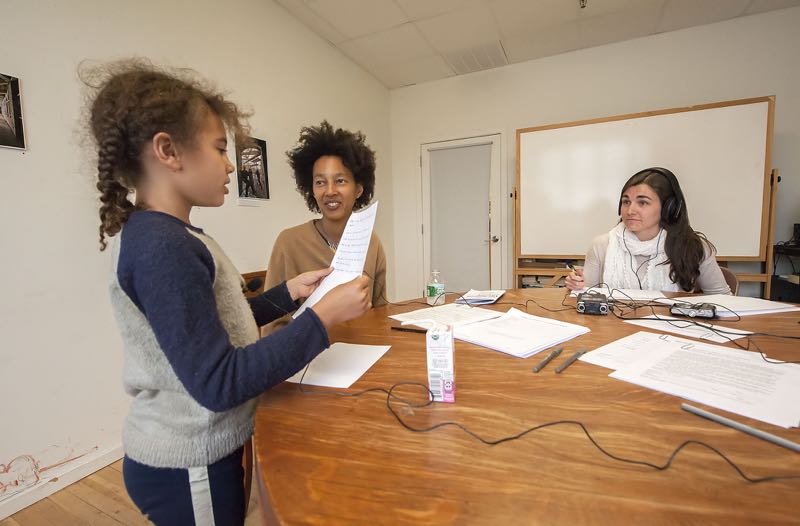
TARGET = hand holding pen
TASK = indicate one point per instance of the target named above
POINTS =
(574, 281)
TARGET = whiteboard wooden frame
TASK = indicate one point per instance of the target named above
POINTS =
(766, 187)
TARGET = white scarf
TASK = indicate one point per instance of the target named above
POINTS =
(620, 263)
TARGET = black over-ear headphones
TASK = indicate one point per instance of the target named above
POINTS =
(672, 206)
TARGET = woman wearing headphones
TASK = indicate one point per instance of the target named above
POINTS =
(653, 247)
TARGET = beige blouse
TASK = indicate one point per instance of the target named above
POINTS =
(302, 248)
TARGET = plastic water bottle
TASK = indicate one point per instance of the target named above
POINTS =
(434, 292)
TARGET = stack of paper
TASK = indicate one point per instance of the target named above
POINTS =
(518, 334)
(624, 351)
(731, 306)
(451, 314)
(480, 297)
(515, 332)
(730, 379)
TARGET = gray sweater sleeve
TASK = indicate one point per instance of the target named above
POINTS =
(595, 259)
(711, 280)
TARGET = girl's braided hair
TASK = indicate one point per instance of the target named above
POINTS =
(133, 101)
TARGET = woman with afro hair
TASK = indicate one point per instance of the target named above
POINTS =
(334, 170)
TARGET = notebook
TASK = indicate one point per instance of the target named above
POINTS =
(518, 334)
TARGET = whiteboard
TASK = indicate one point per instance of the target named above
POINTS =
(570, 176)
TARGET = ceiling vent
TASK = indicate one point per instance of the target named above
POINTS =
(478, 58)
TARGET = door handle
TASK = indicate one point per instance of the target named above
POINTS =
(493, 239)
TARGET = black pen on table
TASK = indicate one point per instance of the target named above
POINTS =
(408, 329)
(569, 361)
(539, 366)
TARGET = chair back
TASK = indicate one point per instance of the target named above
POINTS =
(731, 280)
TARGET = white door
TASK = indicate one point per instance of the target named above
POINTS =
(463, 225)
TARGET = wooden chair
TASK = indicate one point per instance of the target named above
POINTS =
(731, 280)
(247, 459)
(249, 277)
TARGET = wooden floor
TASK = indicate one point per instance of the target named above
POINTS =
(98, 500)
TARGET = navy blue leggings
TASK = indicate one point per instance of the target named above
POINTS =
(209, 495)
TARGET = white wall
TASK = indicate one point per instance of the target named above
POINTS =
(60, 354)
(741, 58)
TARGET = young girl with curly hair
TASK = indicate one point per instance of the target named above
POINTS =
(194, 362)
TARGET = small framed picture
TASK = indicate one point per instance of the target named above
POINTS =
(253, 175)
(12, 133)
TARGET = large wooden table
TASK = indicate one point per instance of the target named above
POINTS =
(337, 460)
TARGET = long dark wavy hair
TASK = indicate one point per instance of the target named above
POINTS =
(350, 147)
(132, 101)
(684, 247)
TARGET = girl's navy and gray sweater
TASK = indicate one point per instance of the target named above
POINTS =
(193, 358)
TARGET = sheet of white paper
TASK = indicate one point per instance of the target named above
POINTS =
(351, 254)
(730, 306)
(729, 379)
(480, 297)
(340, 365)
(519, 334)
(451, 314)
(624, 295)
(703, 331)
(332, 280)
(628, 350)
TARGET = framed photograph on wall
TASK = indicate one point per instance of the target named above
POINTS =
(252, 170)
(12, 133)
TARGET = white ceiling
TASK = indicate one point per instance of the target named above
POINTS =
(404, 42)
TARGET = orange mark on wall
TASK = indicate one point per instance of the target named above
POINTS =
(25, 471)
